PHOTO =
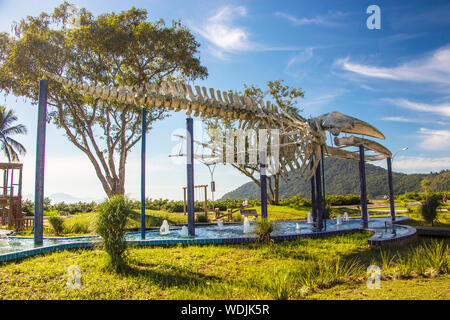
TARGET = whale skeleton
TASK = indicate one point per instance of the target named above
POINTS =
(301, 140)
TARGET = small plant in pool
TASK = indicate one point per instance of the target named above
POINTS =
(111, 222)
(263, 229)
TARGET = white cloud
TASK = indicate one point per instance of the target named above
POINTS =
(321, 20)
(420, 164)
(221, 31)
(398, 119)
(227, 37)
(301, 57)
(434, 68)
(442, 109)
(435, 139)
(413, 120)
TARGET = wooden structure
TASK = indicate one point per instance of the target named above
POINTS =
(11, 195)
(205, 200)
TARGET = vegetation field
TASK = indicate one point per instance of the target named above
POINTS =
(301, 269)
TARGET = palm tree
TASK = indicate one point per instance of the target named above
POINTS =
(8, 145)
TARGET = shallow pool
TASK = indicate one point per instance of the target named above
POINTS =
(382, 227)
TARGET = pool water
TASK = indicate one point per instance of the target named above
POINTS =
(381, 226)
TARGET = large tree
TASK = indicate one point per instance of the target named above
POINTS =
(111, 50)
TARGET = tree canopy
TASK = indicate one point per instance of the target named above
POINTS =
(112, 50)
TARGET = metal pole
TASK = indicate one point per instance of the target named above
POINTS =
(319, 205)
(391, 188)
(263, 182)
(323, 187)
(190, 175)
(143, 141)
(40, 164)
(363, 187)
(313, 197)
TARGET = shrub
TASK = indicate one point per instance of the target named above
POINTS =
(56, 223)
(111, 222)
(263, 229)
(429, 256)
(202, 218)
(429, 208)
(280, 286)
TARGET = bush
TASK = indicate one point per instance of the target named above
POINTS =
(111, 222)
(429, 208)
(263, 229)
(201, 218)
(57, 224)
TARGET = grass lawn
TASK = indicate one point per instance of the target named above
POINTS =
(300, 269)
(284, 212)
(437, 288)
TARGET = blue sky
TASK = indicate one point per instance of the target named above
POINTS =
(397, 78)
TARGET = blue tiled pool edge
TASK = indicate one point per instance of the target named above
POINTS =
(373, 241)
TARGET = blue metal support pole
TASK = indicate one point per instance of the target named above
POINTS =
(40, 164)
(143, 141)
(324, 210)
(319, 205)
(363, 187)
(313, 197)
(391, 188)
(263, 184)
(190, 175)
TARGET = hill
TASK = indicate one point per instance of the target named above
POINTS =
(342, 177)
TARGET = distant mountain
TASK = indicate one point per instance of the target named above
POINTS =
(342, 177)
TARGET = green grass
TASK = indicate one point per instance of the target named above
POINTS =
(284, 212)
(304, 268)
(413, 289)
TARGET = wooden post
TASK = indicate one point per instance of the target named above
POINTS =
(391, 188)
(190, 175)
(363, 187)
(40, 164)
(143, 149)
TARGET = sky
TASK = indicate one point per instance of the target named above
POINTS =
(396, 77)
